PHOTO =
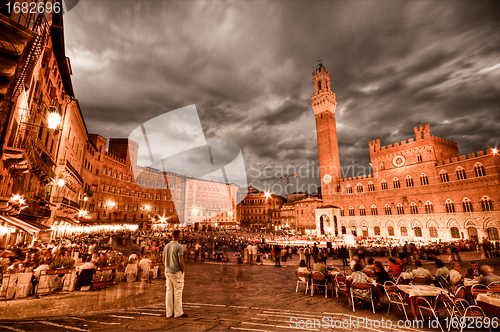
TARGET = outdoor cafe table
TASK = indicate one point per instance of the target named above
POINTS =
(490, 303)
(413, 291)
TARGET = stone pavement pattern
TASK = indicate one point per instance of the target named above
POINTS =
(265, 303)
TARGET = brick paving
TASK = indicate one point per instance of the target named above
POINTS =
(267, 302)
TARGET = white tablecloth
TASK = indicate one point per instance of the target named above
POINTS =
(470, 282)
(491, 299)
(417, 290)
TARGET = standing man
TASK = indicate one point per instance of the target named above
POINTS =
(173, 258)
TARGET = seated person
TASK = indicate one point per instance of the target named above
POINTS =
(320, 266)
(421, 271)
(455, 277)
(382, 277)
(442, 270)
(394, 268)
(370, 265)
(302, 268)
(354, 261)
(358, 276)
(488, 276)
(472, 271)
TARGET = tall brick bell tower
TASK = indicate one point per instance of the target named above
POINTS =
(323, 103)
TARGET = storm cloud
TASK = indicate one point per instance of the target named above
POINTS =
(247, 66)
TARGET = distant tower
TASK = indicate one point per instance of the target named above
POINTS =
(323, 103)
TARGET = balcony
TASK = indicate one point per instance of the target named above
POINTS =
(67, 203)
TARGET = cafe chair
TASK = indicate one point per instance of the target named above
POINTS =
(494, 286)
(300, 280)
(443, 283)
(391, 290)
(336, 270)
(455, 308)
(318, 279)
(339, 284)
(420, 279)
(461, 293)
(476, 289)
(423, 304)
(361, 291)
(460, 311)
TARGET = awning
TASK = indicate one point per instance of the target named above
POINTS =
(27, 227)
(35, 223)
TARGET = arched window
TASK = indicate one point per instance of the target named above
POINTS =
(374, 210)
(409, 181)
(371, 186)
(493, 234)
(413, 208)
(433, 232)
(390, 231)
(384, 185)
(418, 232)
(343, 230)
(342, 212)
(353, 231)
(404, 231)
(455, 233)
(479, 170)
(461, 173)
(362, 211)
(376, 230)
(400, 208)
(349, 189)
(382, 166)
(388, 210)
(486, 204)
(396, 184)
(419, 158)
(429, 208)
(450, 207)
(351, 211)
(467, 205)
(444, 176)
(424, 180)
(359, 188)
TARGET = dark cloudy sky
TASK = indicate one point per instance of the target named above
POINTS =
(247, 67)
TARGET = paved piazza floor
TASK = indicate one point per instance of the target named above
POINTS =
(267, 302)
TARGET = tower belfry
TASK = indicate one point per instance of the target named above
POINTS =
(324, 103)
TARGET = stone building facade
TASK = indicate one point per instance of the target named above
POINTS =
(256, 209)
(420, 189)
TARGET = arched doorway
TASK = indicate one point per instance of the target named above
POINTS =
(472, 231)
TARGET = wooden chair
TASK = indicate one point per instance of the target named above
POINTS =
(423, 304)
(300, 280)
(364, 286)
(476, 289)
(319, 279)
(494, 286)
(339, 284)
(420, 279)
(391, 290)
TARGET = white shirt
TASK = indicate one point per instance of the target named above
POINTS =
(144, 264)
(455, 276)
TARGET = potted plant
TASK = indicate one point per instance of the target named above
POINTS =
(99, 282)
(156, 260)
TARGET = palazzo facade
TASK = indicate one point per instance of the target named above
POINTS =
(421, 188)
